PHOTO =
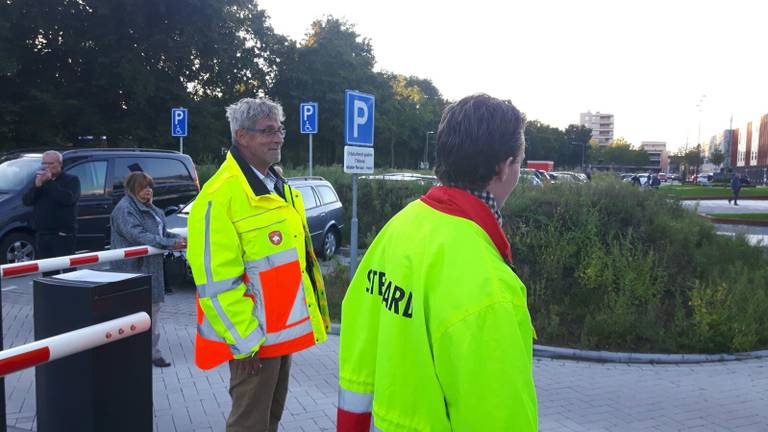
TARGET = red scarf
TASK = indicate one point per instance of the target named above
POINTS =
(463, 204)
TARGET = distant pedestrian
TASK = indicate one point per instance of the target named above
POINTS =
(636, 180)
(655, 181)
(53, 197)
(588, 172)
(735, 189)
(136, 221)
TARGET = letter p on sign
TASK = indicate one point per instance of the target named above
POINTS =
(359, 118)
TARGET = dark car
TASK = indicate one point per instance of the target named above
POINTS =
(101, 173)
(325, 214)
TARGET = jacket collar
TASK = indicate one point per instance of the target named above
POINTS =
(457, 202)
(138, 204)
(256, 185)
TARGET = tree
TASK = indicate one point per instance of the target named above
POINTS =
(693, 158)
(115, 68)
(717, 157)
(334, 58)
(620, 152)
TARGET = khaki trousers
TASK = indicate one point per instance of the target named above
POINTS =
(258, 400)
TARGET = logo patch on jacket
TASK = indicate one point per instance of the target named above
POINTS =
(276, 237)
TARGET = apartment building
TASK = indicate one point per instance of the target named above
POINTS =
(601, 125)
(657, 153)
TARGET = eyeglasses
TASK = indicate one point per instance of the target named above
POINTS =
(268, 131)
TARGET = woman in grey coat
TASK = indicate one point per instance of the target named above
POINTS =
(136, 222)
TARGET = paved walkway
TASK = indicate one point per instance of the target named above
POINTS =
(755, 235)
(573, 396)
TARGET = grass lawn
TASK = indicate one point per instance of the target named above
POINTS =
(745, 216)
(688, 192)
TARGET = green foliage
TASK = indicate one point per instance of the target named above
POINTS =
(612, 267)
(620, 152)
(691, 192)
(115, 69)
(544, 142)
(607, 266)
(334, 58)
(717, 157)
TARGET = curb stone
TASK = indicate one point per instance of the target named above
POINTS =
(626, 357)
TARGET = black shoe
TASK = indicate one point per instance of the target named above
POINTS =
(161, 362)
(735, 203)
(169, 290)
(729, 202)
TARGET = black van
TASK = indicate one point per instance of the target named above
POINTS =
(101, 173)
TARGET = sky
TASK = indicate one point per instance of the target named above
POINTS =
(673, 70)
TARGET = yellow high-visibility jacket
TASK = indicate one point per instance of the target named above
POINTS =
(435, 333)
(259, 287)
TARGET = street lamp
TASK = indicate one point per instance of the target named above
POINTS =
(425, 163)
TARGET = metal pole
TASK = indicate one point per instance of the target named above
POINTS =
(181, 144)
(3, 424)
(310, 155)
(426, 144)
(353, 240)
(583, 149)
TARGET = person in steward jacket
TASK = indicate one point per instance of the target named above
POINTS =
(260, 295)
(436, 334)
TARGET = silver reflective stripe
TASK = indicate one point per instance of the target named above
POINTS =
(373, 426)
(354, 402)
(254, 287)
(289, 333)
(207, 247)
(274, 260)
(207, 331)
(243, 345)
(212, 289)
(299, 310)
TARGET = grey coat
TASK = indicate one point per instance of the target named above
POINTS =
(133, 224)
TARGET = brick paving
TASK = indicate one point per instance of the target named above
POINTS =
(573, 396)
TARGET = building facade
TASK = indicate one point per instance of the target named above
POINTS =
(749, 150)
(601, 125)
(657, 153)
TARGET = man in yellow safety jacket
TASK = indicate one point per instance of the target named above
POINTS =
(436, 334)
(260, 295)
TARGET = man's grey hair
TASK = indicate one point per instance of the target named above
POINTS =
(247, 111)
(56, 154)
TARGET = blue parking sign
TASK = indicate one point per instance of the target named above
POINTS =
(308, 117)
(358, 118)
(179, 122)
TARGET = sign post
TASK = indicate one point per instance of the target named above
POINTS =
(308, 125)
(179, 118)
(358, 153)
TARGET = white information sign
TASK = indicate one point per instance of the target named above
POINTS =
(358, 160)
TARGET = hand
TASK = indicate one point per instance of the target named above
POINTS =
(248, 365)
(41, 177)
(181, 243)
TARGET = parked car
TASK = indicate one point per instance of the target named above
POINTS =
(529, 177)
(405, 176)
(569, 177)
(704, 179)
(325, 214)
(101, 173)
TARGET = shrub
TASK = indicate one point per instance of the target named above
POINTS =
(609, 266)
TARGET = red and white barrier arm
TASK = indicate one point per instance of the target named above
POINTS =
(56, 347)
(59, 263)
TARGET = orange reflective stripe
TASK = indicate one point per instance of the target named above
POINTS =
(288, 347)
(209, 353)
(284, 302)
